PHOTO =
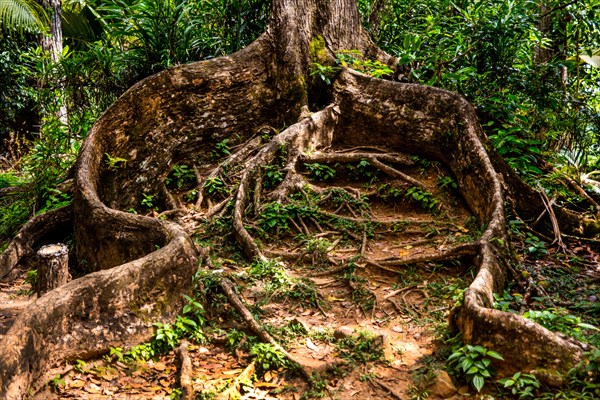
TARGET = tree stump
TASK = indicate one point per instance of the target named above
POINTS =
(52, 267)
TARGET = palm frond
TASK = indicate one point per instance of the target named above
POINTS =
(22, 15)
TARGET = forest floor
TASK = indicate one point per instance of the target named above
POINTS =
(347, 306)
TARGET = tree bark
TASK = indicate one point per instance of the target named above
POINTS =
(140, 266)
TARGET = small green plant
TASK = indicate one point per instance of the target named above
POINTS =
(361, 347)
(234, 338)
(354, 59)
(504, 301)
(473, 363)
(116, 353)
(221, 149)
(425, 199)
(521, 385)
(57, 382)
(417, 393)
(273, 176)
(318, 388)
(54, 198)
(31, 277)
(275, 215)
(447, 183)
(188, 324)
(323, 72)
(215, 185)
(386, 191)
(535, 246)
(181, 177)
(320, 172)
(268, 357)
(148, 201)
(115, 163)
(80, 366)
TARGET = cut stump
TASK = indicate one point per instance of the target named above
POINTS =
(53, 267)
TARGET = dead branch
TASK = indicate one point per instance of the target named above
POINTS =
(552, 215)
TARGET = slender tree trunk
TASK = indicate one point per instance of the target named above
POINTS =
(53, 44)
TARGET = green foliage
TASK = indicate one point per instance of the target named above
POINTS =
(20, 15)
(521, 385)
(320, 172)
(535, 246)
(157, 34)
(279, 284)
(148, 201)
(215, 186)
(425, 199)
(268, 357)
(324, 73)
(318, 388)
(522, 75)
(275, 215)
(447, 183)
(473, 363)
(360, 348)
(188, 324)
(273, 176)
(519, 152)
(114, 163)
(559, 320)
(181, 177)
(354, 59)
(221, 149)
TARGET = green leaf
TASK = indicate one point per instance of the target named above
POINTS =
(466, 364)
(478, 382)
(495, 355)
(473, 370)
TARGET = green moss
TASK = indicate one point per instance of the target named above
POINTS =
(297, 90)
(318, 54)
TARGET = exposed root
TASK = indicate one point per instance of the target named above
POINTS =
(185, 371)
(555, 227)
(378, 382)
(249, 320)
(464, 250)
(237, 158)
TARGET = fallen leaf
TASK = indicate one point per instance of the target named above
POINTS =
(159, 366)
(93, 389)
(268, 376)
(77, 384)
(233, 371)
(310, 344)
(164, 382)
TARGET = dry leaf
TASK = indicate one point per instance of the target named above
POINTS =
(93, 389)
(310, 344)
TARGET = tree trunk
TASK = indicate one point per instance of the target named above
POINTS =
(140, 266)
(53, 44)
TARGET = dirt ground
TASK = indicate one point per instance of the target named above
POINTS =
(373, 321)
